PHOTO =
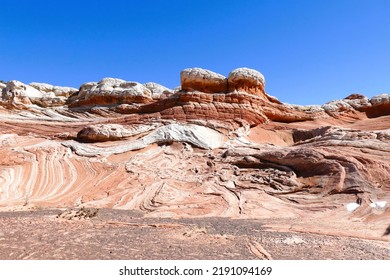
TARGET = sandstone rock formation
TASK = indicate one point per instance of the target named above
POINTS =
(199, 136)
(56, 95)
(109, 132)
(158, 91)
(358, 101)
(110, 91)
(380, 106)
(198, 79)
(202, 95)
(56, 90)
(216, 147)
(16, 92)
(247, 80)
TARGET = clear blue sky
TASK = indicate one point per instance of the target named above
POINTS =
(310, 52)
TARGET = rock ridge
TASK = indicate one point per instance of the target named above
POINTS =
(203, 94)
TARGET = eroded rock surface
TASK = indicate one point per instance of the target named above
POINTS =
(16, 93)
(199, 136)
(380, 106)
(216, 147)
(56, 90)
(110, 91)
(158, 91)
(202, 80)
(110, 132)
(247, 80)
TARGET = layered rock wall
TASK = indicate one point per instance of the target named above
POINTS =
(203, 94)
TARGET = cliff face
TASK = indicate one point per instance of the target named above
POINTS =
(215, 147)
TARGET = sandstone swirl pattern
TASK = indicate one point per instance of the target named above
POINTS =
(216, 146)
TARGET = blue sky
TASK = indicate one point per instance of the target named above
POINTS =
(310, 52)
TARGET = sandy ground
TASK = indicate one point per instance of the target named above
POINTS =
(126, 234)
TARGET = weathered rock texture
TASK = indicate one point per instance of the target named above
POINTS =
(110, 91)
(56, 90)
(380, 106)
(110, 132)
(158, 91)
(15, 93)
(217, 147)
(198, 79)
(196, 135)
(247, 80)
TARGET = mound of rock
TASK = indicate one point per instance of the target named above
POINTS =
(60, 94)
(110, 91)
(358, 102)
(110, 132)
(198, 79)
(239, 80)
(158, 91)
(337, 106)
(196, 135)
(16, 92)
(247, 80)
(380, 106)
(56, 90)
(103, 132)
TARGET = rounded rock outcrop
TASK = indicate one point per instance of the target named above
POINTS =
(158, 91)
(110, 91)
(358, 101)
(336, 106)
(102, 133)
(17, 92)
(380, 106)
(56, 90)
(198, 79)
(247, 80)
(380, 99)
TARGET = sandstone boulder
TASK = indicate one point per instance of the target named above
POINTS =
(247, 80)
(103, 132)
(158, 91)
(358, 101)
(337, 106)
(110, 91)
(380, 99)
(110, 132)
(198, 79)
(380, 106)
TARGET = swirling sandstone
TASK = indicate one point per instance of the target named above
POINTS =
(216, 147)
